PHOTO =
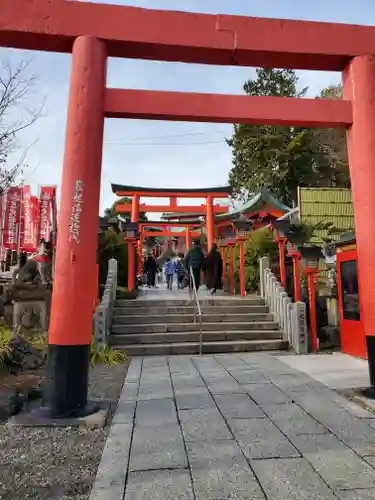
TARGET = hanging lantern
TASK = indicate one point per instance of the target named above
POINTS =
(229, 235)
(131, 230)
(310, 256)
(282, 226)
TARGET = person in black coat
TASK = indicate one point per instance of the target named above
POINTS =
(214, 270)
(150, 268)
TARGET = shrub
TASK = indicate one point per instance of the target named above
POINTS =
(123, 293)
(259, 244)
(5, 338)
(106, 356)
(37, 339)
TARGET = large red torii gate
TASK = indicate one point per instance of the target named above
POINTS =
(94, 32)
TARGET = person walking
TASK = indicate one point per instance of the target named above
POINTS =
(149, 269)
(180, 271)
(195, 260)
(169, 272)
(214, 270)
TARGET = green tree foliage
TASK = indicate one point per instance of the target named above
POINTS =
(280, 158)
(259, 244)
(331, 146)
(114, 248)
(111, 212)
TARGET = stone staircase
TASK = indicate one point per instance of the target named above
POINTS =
(164, 327)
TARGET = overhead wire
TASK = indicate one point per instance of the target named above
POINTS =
(167, 136)
(171, 144)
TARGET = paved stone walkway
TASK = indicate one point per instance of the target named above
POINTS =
(246, 426)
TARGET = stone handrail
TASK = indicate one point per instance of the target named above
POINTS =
(291, 316)
(104, 312)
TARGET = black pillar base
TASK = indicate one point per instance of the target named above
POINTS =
(370, 342)
(66, 387)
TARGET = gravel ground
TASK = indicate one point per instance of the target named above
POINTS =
(59, 463)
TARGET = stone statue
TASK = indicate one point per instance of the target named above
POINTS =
(329, 253)
(38, 266)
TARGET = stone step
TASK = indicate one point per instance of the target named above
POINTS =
(214, 302)
(208, 347)
(161, 311)
(189, 318)
(186, 327)
(184, 337)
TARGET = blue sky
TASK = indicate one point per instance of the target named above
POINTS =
(161, 153)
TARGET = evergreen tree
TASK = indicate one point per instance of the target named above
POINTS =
(279, 158)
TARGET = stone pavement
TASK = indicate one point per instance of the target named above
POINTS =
(246, 426)
(163, 293)
(337, 370)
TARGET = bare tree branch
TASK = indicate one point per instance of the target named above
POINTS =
(16, 86)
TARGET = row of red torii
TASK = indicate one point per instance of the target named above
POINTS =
(227, 229)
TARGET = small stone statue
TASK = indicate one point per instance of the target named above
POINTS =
(38, 265)
(329, 252)
(332, 281)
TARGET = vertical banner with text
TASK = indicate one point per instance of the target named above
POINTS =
(12, 217)
(47, 211)
(30, 229)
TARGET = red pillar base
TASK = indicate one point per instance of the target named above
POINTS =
(131, 265)
(312, 308)
(242, 269)
(231, 272)
(296, 277)
(224, 257)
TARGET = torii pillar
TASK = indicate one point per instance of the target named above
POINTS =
(188, 239)
(359, 87)
(140, 251)
(75, 269)
(210, 222)
(133, 246)
(224, 257)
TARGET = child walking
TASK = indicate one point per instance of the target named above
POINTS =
(169, 272)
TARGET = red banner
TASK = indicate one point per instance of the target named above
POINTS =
(47, 212)
(29, 240)
(12, 217)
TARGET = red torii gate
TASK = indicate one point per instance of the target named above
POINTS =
(164, 229)
(94, 32)
(135, 207)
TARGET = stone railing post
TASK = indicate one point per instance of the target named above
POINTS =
(104, 312)
(273, 282)
(290, 316)
(300, 338)
(290, 307)
(267, 286)
(264, 264)
(284, 314)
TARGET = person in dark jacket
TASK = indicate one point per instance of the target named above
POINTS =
(195, 260)
(150, 268)
(180, 271)
(214, 270)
